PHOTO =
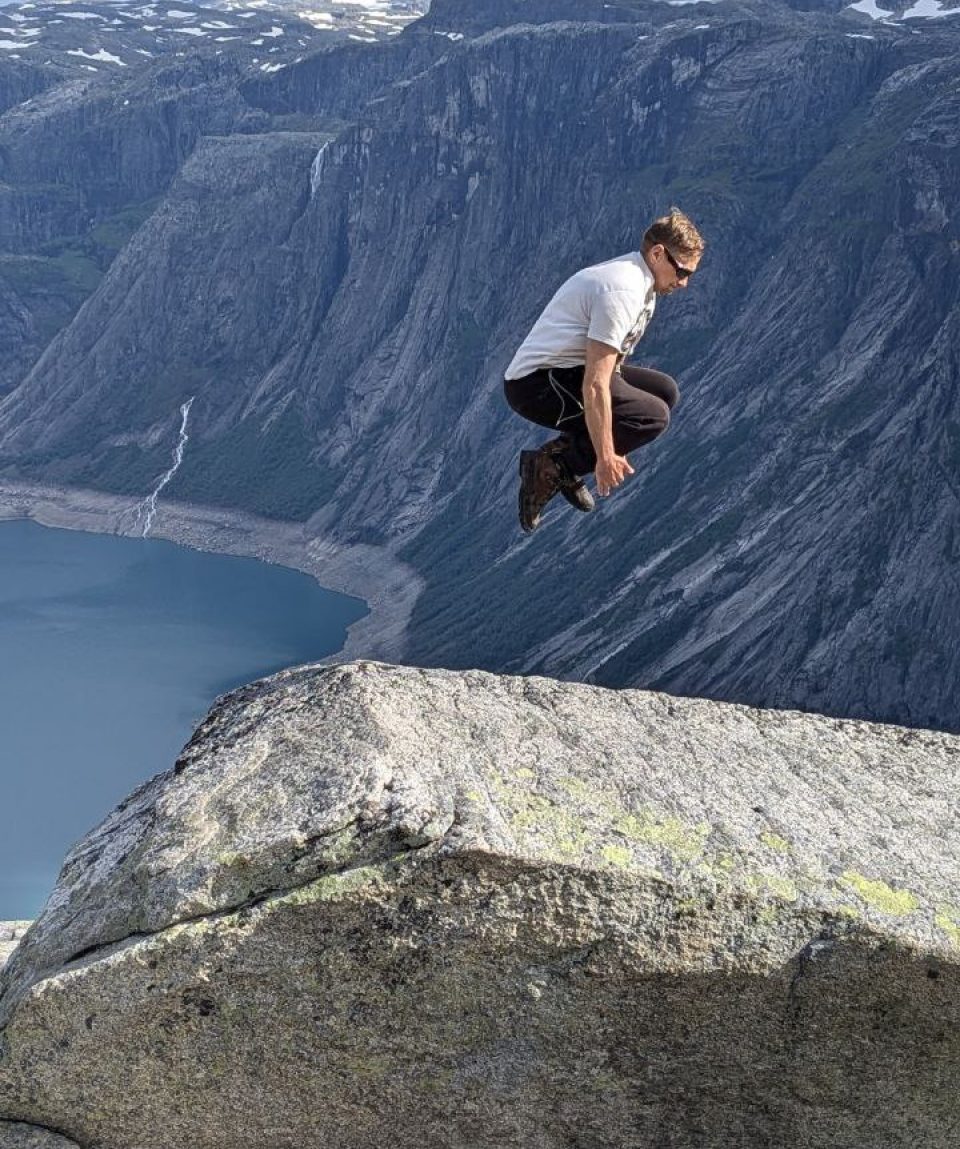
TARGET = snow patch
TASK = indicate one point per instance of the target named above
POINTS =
(929, 10)
(104, 57)
(870, 8)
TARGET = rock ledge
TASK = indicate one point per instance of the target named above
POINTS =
(375, 905)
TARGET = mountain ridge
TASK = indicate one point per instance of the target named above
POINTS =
(424, 236)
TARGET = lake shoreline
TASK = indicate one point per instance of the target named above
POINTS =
(389, 587)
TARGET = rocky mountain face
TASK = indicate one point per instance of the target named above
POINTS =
(100, 105)
(372, 905)
(337, 260)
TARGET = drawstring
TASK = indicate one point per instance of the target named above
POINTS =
(563, 394)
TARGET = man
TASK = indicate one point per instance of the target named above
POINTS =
(569, 373)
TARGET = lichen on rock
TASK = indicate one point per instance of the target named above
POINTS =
(466, 909)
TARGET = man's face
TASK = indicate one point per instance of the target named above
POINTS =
(670, 271)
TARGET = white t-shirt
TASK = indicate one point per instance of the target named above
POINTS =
(611, 302)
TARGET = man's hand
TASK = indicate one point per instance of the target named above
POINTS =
(610, 472)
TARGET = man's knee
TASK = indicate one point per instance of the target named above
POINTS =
(659, 420)
(666, 389)
(656, 383)
(639, 428)
(654, 417)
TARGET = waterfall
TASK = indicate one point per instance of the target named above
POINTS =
(149, 504)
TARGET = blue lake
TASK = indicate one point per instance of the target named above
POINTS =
(111, 651)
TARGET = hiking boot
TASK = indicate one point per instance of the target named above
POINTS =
(539, 482)
(543, 474)
(573, 488)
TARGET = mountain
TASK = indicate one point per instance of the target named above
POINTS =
(337, 260)
(100, 104)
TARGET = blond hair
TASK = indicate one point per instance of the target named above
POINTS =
(676, 232)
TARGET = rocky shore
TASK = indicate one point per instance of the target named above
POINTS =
(389, 587)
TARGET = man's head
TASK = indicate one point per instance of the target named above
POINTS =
(672, 248)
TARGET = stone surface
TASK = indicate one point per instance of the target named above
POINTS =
(10, 936)
(17, 1135)
(377, 905)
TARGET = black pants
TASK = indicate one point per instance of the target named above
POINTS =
(642, 401)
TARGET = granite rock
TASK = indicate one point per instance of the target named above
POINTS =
(17, 1135)
(10, 936)
(378, 905)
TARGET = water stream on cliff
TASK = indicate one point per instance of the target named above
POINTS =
(111, 650)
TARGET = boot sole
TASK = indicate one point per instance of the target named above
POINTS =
(582, 502)
(526, 525)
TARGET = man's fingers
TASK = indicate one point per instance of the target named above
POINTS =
(627, 467)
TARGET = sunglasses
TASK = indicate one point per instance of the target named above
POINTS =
(682, 272)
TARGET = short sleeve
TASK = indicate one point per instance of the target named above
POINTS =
(613, 316)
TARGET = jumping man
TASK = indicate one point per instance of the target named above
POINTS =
(569, 373)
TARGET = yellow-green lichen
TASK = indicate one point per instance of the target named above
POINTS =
(525, 772)
(782, 887)
(879, 895)
(689, 907)
(948, 920)
(588, 795)
(332, 887)
(679, 839)
(775, 842)
(848, 911)
(765, 884)
(559, 830)
(617, 855)
(682, 841)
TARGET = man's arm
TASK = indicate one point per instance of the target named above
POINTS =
(612, 468)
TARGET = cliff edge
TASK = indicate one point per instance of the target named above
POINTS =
(374, 905)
